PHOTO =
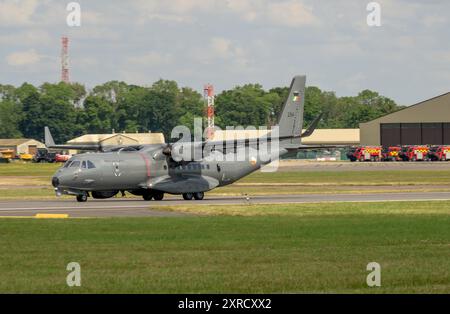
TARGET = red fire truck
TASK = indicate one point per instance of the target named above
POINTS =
(365, 153)
(414, 153)
(391, 153)
(441, 152)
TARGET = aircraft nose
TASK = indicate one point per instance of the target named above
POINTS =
(55, 182)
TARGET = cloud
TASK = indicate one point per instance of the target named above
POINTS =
(223, 48)
(23, 58)
(151, 58)
(290, 13)
(16, 13)
(28, 37)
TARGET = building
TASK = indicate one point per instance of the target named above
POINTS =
(341, 137)
(427, 122)
(119, 139)
(21, 145)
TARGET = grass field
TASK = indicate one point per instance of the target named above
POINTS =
(277, 248)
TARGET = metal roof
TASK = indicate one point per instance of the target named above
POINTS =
(14, 141)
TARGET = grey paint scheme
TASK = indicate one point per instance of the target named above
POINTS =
(151, 169)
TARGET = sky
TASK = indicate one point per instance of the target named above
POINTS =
(233, 42)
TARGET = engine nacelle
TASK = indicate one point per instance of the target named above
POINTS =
(186, 151)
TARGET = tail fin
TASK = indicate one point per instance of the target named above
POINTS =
(48, 137)
(291, 118)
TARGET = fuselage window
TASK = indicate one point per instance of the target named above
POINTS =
(75, 164)
(207, 167)
(165, 167)
(90, 164)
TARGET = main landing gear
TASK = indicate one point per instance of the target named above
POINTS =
(197, 196)
(157, 195)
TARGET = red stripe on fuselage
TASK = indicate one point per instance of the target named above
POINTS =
(147, 163)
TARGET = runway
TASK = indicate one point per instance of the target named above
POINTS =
(139, 208)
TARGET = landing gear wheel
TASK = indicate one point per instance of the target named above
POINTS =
(199, 196)
(82, 198)
(158, 196)
(188, 196)
(147, 196)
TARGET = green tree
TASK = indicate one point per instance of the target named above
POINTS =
(245, 105)
(10, 117)
(97, 115)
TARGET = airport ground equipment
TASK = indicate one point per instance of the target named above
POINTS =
(414, 153)
(43, 155)
(365, 153)
(391, 153)
(440, 152)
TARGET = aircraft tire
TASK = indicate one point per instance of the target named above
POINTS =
(188, 196)
(147, 196)
(199, 196)
(158, 196)
(82, 198)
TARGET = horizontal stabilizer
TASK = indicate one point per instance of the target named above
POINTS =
(312, 127)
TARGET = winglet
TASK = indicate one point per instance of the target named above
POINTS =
(48, 137)
(312, 126)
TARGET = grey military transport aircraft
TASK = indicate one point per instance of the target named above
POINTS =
(152, 170)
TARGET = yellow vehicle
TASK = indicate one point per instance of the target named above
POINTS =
(7, 154)
(26, 157)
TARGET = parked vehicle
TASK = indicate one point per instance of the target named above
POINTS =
(441, 152)
(365, 153)
(26, 157)
(391, 153)
(62, 157)
(43, 155)
(414, 153)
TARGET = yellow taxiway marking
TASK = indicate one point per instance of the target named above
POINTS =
(51, 216)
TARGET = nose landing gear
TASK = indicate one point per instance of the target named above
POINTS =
(82, 197)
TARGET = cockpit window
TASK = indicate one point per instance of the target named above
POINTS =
(75, 164)
(90, 164)
(67, 164)
(83, 164)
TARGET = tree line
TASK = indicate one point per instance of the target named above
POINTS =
(71, 110)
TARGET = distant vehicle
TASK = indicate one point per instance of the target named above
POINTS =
(43, 155)
(414, 153)
(7, 154)
(364, 153)
(26, 157)
(62, 157)
(391, 153)
(441, 152)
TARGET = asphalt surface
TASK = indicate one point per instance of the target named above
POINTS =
(140, 208)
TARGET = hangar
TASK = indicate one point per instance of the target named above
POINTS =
(21, 145)
(424, 123)
(119, 139)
